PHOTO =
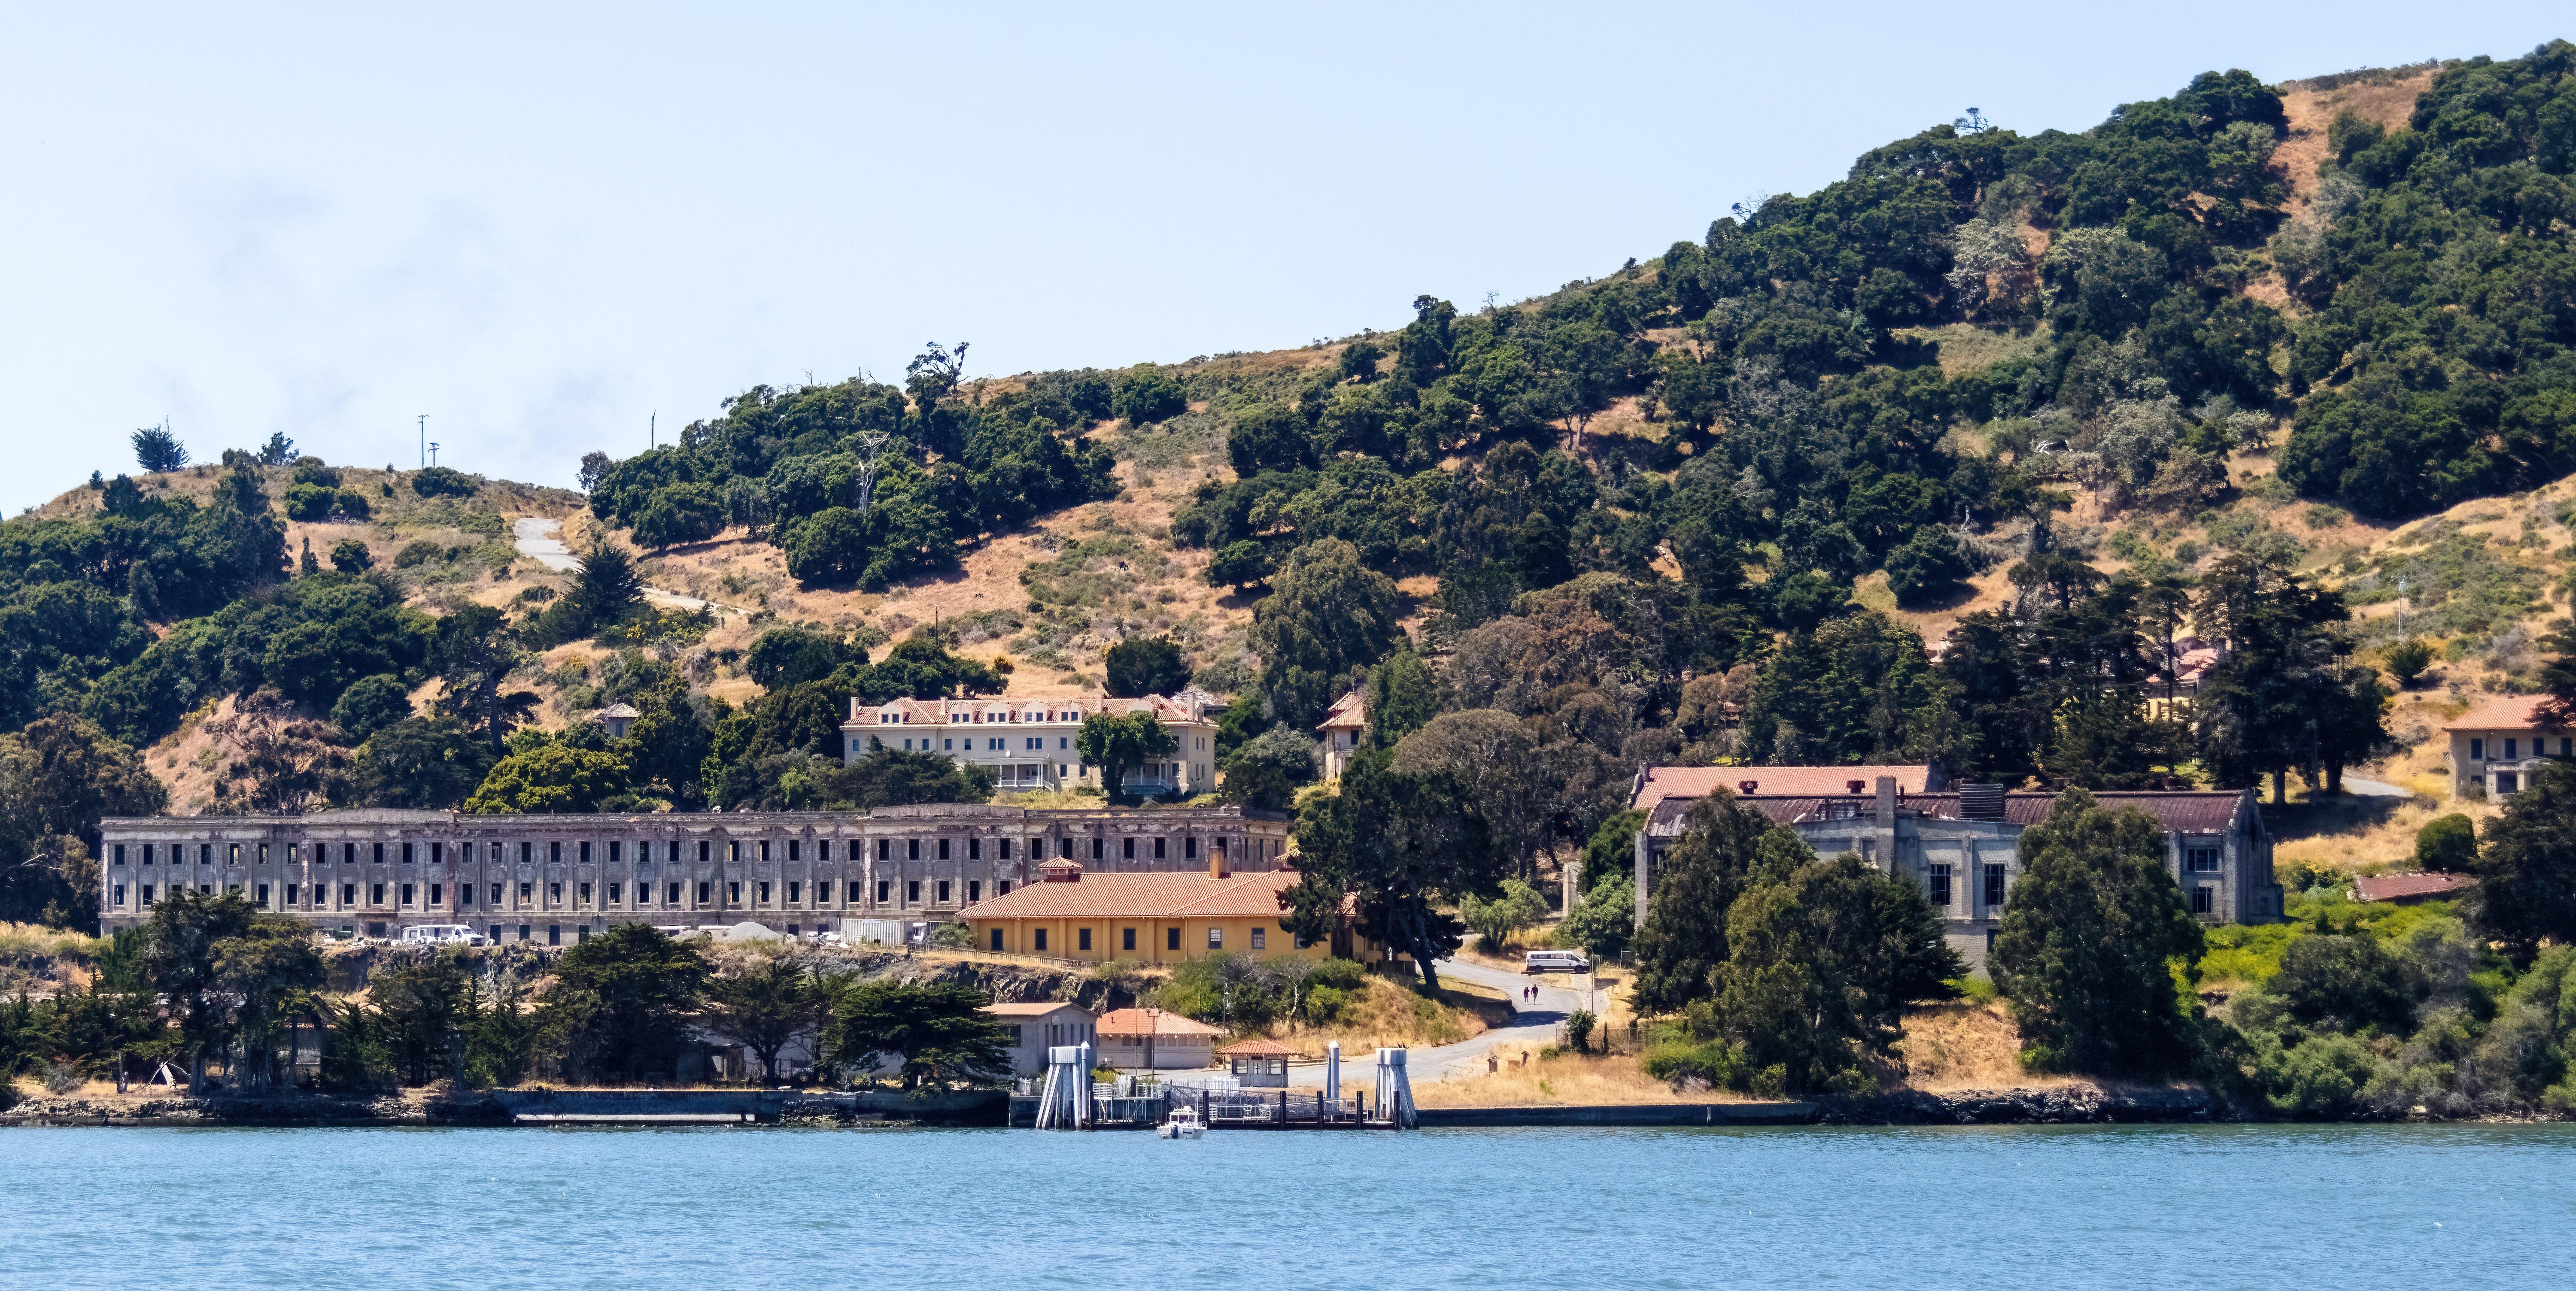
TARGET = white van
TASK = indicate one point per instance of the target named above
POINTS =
(1556, 961)
(441, 934)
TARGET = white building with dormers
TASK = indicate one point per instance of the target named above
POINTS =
(1029, 740)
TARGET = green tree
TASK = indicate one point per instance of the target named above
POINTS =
(679, 513)
(2406, 661)
(1143, 396)
(1118, 745)
(371, 704)
(1683, 942)
(1495, 920)
(607, 586)
(1140, 666)
(1822, 962)
(500, 1035)
(938, 1030)
(156, 449)
(182, 964)
(763, 1005)
(474, 654)
(1327, 617)
(620, 1003)
(421, 763)
(1242, 563)
(1267, 770)
(1402, 697)
(442, 481)
(58, 776)
(1857, 689)
(1397, 847)
(2526, 889)
(551, 777)
(350, 556)
(2447, 843)
(2088, 943)
(1604, 922)
(895, 778)
(422, 1010)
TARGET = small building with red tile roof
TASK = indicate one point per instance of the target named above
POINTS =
(1155, 1039)
(1089, 916)
(1260, 1062)
(2407, 889)
(1342, 729)
(2498, 746)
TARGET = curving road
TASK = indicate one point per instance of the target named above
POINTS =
(1534, 1024)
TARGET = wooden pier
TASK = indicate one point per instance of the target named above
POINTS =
(1249, 1109)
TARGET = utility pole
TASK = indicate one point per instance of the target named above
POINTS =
(424, 439)
(653, 431)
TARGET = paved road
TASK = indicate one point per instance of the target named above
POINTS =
(1534, 1024)
(2354, 784)
(535, 538)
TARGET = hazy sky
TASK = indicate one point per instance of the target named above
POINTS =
(542, 224)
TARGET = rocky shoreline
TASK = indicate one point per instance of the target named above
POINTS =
(2054, 1105)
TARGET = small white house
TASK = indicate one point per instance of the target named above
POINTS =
(1155, 1040)
(1039, 1027)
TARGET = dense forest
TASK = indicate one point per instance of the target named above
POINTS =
(1638, 514)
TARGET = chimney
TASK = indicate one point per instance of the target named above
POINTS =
(1060, 870)
(1852, 787)
(1747, 786)
(1217, 868)
(1886, 801)
(1981, 802)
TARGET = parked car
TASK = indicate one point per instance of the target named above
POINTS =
(441, 934)
(1556, 961)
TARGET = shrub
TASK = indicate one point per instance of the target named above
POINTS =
(438, 481)
(680, 513)
(2447, 843)
(418, 553)
(1716, 1062)
(2407, 660)
(60, 1077)
(350, 556)
(310, 503)
(1578, 1029)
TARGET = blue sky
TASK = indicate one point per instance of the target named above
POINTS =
(543, 225)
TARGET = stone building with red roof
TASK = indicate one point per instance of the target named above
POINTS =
(1962, 842)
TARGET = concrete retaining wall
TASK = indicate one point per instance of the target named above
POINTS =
(1621, 1114)
(713, 1106)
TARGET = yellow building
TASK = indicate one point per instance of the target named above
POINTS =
(1146, 918)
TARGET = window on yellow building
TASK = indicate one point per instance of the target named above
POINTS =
(1216, 938)
(1082, 939)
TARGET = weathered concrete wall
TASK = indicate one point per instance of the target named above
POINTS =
(1620, 1114)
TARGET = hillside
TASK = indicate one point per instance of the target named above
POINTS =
(1993, 398)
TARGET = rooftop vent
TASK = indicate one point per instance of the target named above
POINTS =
(1747, 786)
(1060, 871)
(1851, 786)
(1981, 802)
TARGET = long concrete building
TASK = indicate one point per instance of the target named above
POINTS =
(556, 879)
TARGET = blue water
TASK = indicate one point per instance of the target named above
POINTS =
(1917, 1209)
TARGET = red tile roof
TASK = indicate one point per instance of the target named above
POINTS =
(1188, 894)
(1659, 783)
(2502, 713)
(1153, 1022)
(2404, 887)
(1259, 1047)
(2190, 812)
(1348, 711)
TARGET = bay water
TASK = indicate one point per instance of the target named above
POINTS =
(1995, 1207)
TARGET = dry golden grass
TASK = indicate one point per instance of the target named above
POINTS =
(1965, 1045)
(1390, 1013)
(1567, 1079)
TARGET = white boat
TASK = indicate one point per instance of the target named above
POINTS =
(1183, 1123)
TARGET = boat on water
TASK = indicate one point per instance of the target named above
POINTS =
(1182, 1123)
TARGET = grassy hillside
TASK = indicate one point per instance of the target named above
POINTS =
(1684, 510)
